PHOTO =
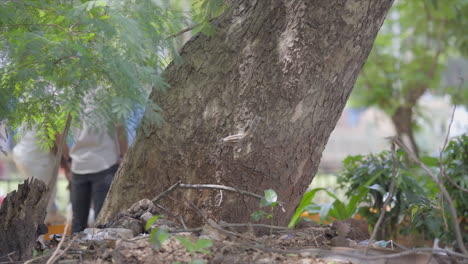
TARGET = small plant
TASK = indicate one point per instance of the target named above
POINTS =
(412, 187)
(453, 173)
(336, 209)
(455, 163)
(37, 253)
(200, 245)
(416, 207)
(158, 235)
(270, 199)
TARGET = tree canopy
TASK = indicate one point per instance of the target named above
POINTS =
(55, 53)
(410, 54)
(411, 51)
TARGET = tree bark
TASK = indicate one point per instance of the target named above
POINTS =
(21, 220)
(278, 71)
(403, 121)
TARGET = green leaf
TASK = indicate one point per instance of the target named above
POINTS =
(339, 210)
(189, 245)
(204, 243)
(158, 236)
(306, 200)
(197, 261)
(377, 187)
(153, 238)
(356, 199)
(430, 161)
(264, 202)
(151, 222)
(331, 194)
(312, 208)
(324, 209)
(271, 196)
(162, 235)
(257, 215)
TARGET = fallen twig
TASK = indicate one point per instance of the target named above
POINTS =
(219, 187)
(38, 259)
(222, 230)
(389, 197)
(255, 225)
(188, 230)
(266, 226)
(210, 222)
(137, 238)
(62, 252)
(182, 222)
(195, 230)
(199, 212)
(205, 186)
(445, 194)
(416, 251)
(318, 252)
(169, 213)
(166, 192)
(9, 257)
(54, 256)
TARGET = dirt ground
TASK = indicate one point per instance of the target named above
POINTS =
(307, 245)
(125, 241)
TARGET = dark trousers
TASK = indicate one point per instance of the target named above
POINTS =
(87, 187)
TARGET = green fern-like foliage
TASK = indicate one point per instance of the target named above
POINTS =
(60, 57)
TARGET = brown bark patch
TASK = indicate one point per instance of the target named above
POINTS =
(22, 216)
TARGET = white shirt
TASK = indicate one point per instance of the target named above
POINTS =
(34, 160)
(94, 150)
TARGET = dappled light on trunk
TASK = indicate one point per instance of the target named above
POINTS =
(251, 106)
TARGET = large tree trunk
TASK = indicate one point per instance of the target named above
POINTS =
(281, 71)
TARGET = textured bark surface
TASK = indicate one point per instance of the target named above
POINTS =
(281, 71)
(21, 214)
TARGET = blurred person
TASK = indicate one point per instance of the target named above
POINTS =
(32, 160)
(95, 158)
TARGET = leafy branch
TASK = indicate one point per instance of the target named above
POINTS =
(445, 194)
(441, 165)
(41, 25)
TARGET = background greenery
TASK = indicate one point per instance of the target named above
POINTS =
(410, 54)
(416, 208)
(61, 57)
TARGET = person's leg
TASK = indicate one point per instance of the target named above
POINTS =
(101, 184)
(80, 199)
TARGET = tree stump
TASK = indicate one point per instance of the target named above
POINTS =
(22, 216)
